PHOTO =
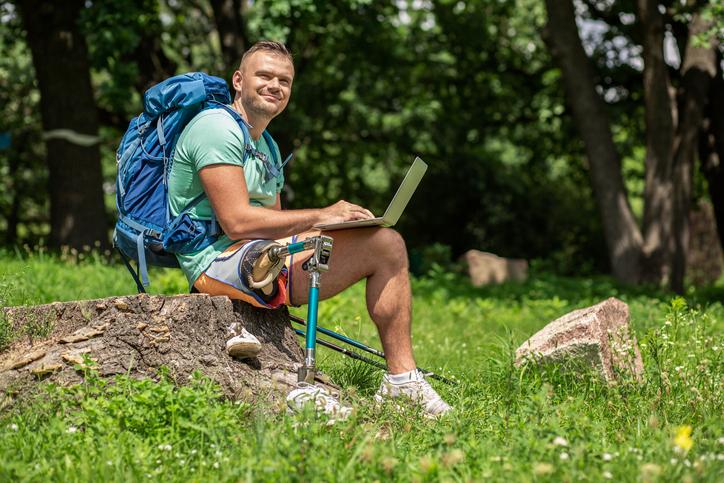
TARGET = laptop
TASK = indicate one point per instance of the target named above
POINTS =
(396, 207)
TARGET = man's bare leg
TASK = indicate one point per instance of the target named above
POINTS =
(380, 256)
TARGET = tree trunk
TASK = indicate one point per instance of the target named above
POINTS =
(623, 237)
(77, 211)
(660, 124)
(232, 32)
(711, 148)
(138, 335)
(153, 64)
(13, 216)
(698, 69)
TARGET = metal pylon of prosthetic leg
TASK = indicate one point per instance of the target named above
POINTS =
(317, 263)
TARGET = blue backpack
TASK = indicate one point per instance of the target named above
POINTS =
(145, 231)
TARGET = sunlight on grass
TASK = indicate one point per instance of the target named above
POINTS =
(509, 423)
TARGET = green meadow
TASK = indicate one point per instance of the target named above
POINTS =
(509, 423)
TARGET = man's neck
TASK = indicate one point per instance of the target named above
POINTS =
(257, 124)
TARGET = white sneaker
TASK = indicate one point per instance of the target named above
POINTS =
(417, 390)
(243, 344)
(323, 401)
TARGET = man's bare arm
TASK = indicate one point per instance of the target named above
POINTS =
(226, 189)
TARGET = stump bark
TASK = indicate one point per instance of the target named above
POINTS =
(597, 336)
(137, 335)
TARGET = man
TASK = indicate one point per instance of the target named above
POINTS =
(245, 199)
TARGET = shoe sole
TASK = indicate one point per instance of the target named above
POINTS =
(243, 350)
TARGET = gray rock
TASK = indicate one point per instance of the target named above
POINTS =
(597, 336)
(486, 268)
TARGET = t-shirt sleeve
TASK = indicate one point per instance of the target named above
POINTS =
(215, 138)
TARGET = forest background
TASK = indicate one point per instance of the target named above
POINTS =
(580, 134)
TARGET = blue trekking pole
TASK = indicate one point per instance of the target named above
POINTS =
(358, 345)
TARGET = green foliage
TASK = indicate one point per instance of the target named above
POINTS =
(23, 175)
(114, 30)
(468, 86)
(516, 424)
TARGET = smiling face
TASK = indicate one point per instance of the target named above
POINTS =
(263, 84)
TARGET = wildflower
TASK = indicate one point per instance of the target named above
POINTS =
(449, 439)
(71, 429)
(384, 433)
(368, 452)
(164, 447)
(653, 421)
(721, 440)
(682, 439)
(673, 461)
(541, 469)
(607, 475)
(388, 464)
(607, 456)
(650, 471)
(564, 456)
(216, 464)
(427, 464)
(559, 441)
(13, 427)
(453, 457)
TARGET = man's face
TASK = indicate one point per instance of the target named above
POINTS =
(265, 83)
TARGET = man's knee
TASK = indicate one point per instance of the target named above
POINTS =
(393, 246)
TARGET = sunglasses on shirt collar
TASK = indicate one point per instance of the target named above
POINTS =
(270, 170)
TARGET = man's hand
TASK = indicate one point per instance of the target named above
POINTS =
(343, 211)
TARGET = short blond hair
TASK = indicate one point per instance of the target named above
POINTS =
(267, 46)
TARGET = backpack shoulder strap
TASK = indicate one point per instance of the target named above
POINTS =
(239, 120)
(275, 151)
(272, 147)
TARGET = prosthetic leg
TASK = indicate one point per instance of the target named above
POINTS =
(266, 267)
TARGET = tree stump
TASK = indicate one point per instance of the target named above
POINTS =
(597, 336)
(137, 335)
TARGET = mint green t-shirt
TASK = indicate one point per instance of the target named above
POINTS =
(214, 137)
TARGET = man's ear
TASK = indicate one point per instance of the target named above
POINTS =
(236, 80)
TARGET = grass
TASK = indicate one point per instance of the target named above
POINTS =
(509, 424)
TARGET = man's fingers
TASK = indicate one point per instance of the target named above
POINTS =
(361, 212)
(350, 212)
